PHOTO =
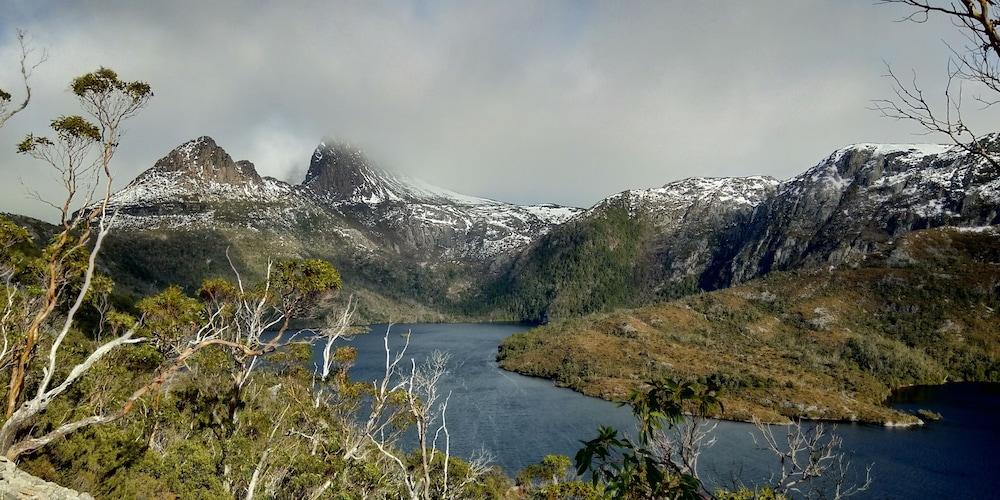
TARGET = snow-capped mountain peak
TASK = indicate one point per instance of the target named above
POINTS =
(199, 184)
(343, 173)
(677, 200)
(203, 159)
(420, 214)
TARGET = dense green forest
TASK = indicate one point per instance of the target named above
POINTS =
(589, 264)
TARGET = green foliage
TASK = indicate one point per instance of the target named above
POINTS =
(891, 360)
(551, 469)
(105, 81)
(101, 285)
(218, 290)
(170, 316)
(120, 321)
(579, 267)
(666, 401)
(627, 469)
(576, 490)
(744, 493)
(76, 127)
(16, 246)
(309, 277)
(301, 283)
(74, 133)
(32, 142)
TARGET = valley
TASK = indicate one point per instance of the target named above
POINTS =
(659, 258)
(830, 290)
(826, 291)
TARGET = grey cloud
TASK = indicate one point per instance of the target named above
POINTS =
(523, 101)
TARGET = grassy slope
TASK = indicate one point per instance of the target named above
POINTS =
(828, 344)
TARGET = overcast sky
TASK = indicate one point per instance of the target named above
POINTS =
(550, 101)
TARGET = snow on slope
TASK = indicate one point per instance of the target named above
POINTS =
(674, 202)
(929, 180)
(199, 185)
(416, 214)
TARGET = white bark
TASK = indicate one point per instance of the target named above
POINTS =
(806, 455)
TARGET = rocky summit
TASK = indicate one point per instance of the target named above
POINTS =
(489, 258)
(706, 233)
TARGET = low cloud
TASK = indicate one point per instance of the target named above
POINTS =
(523, 101)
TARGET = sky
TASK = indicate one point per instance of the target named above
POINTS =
(529, 102)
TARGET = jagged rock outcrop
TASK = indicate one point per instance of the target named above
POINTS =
(859, 198)
(16, 484)
(203, 159)
(199, 185)
(420, 220)
(705, 234)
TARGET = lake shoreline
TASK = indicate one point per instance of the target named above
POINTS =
(368, 329)
(522, 418)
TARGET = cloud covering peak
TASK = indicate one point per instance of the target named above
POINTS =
(560, 101)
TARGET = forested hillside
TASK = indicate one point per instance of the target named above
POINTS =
(827, 343)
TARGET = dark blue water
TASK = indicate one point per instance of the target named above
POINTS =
(520, 419)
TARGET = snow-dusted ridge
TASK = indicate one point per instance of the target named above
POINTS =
(199, 185)
(198, 182)
(671, 203)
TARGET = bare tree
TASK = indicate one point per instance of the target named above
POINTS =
(415, 394)
(808, 457)
(28, 61)
(682, 444)
(338, 329)
(109, 101)
(977, 63)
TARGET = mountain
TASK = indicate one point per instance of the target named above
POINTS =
(820, 343)
(198, 185)
(859, 198)
(418, 219)
(408, 249)
(638, 247)
(414, 251)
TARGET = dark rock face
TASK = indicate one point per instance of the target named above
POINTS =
(422, 221)
(858, 199)
(343, 173)
(204, 159)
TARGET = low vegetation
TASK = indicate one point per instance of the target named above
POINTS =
(822, 344)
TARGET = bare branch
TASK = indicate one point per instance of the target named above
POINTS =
(978, 63)
(28, 62)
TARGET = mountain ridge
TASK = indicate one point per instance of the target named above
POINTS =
(472, 257)
(836, 212)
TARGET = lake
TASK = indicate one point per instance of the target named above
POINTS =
(520, 419)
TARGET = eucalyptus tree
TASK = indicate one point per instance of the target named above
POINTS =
(80, 152)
